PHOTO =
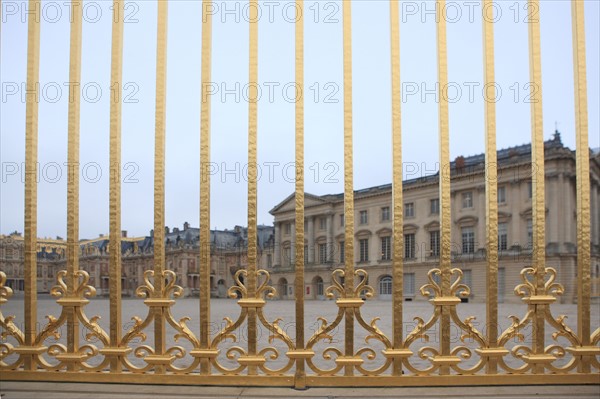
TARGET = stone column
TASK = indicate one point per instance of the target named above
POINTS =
(293, 244)
(595, 213)
(311, 239)
(277, 244)
(554, 207)
(480, 239)
(329, 229)
(568, 210)
(517, 223)
(375, 248)
(597, 207)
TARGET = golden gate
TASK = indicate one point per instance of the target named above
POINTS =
(106, 356)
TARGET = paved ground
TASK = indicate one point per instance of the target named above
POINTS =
(14, 390)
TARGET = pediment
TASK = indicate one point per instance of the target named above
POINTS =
(467, 221)
(410, 228)
(289, 204)
(384, 231)
(433, 225)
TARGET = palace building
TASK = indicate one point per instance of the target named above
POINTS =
(228, 254)
(324, 228)
(324, 236)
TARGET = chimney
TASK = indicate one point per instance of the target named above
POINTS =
(124, 233)
(152, 233)
(167, 231)
(100, 235)
(175, 230)
(186, 226)
(459, 163)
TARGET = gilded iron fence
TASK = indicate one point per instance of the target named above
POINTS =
(208, 357)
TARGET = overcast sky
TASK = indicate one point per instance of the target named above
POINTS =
(323, 101)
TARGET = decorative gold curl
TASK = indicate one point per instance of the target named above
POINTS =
(169, 290)
(9, 328)
(263, 290)
(432, 288)
(529, 287)
(526, 290)
(361, 289)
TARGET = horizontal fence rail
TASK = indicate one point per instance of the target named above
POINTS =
(253, 348)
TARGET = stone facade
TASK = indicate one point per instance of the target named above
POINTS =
(228, 254)
(324, 229)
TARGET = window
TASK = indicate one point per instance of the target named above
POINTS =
(305, 253)
(364, 250)
(322, 223)
(409, 246)
(467, 199)
(501, 284)
(287, 256)
(386, 248)
(529, 190)
(342, 219)
(434, 206)
(342, 251)
(283, 287)
(385, 285)
(468, 240)
(364, 219)
(322, 253)
(409, 284)
(530, 233)
(319, 286)
(288, 228)
(468, 279)
(502, 195)
(385, 213)
(409, 209)
(434, 243)
(269, 262)
(502, 237)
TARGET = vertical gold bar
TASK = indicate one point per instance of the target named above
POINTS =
(348, 184)
(73, 175)
(300, 378)
(537, 177)
(116, 75)
(207, 7)
(252, 173)
(583, 182)
(445, 222)
(397, 198)
(159, 179)
(491, 190)
(31, 166)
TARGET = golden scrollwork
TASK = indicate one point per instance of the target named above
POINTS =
(434, 290)
(257, 301)
(71, 302)
(539, 290)
(159, 302)
(351, 301)
(9, 329)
